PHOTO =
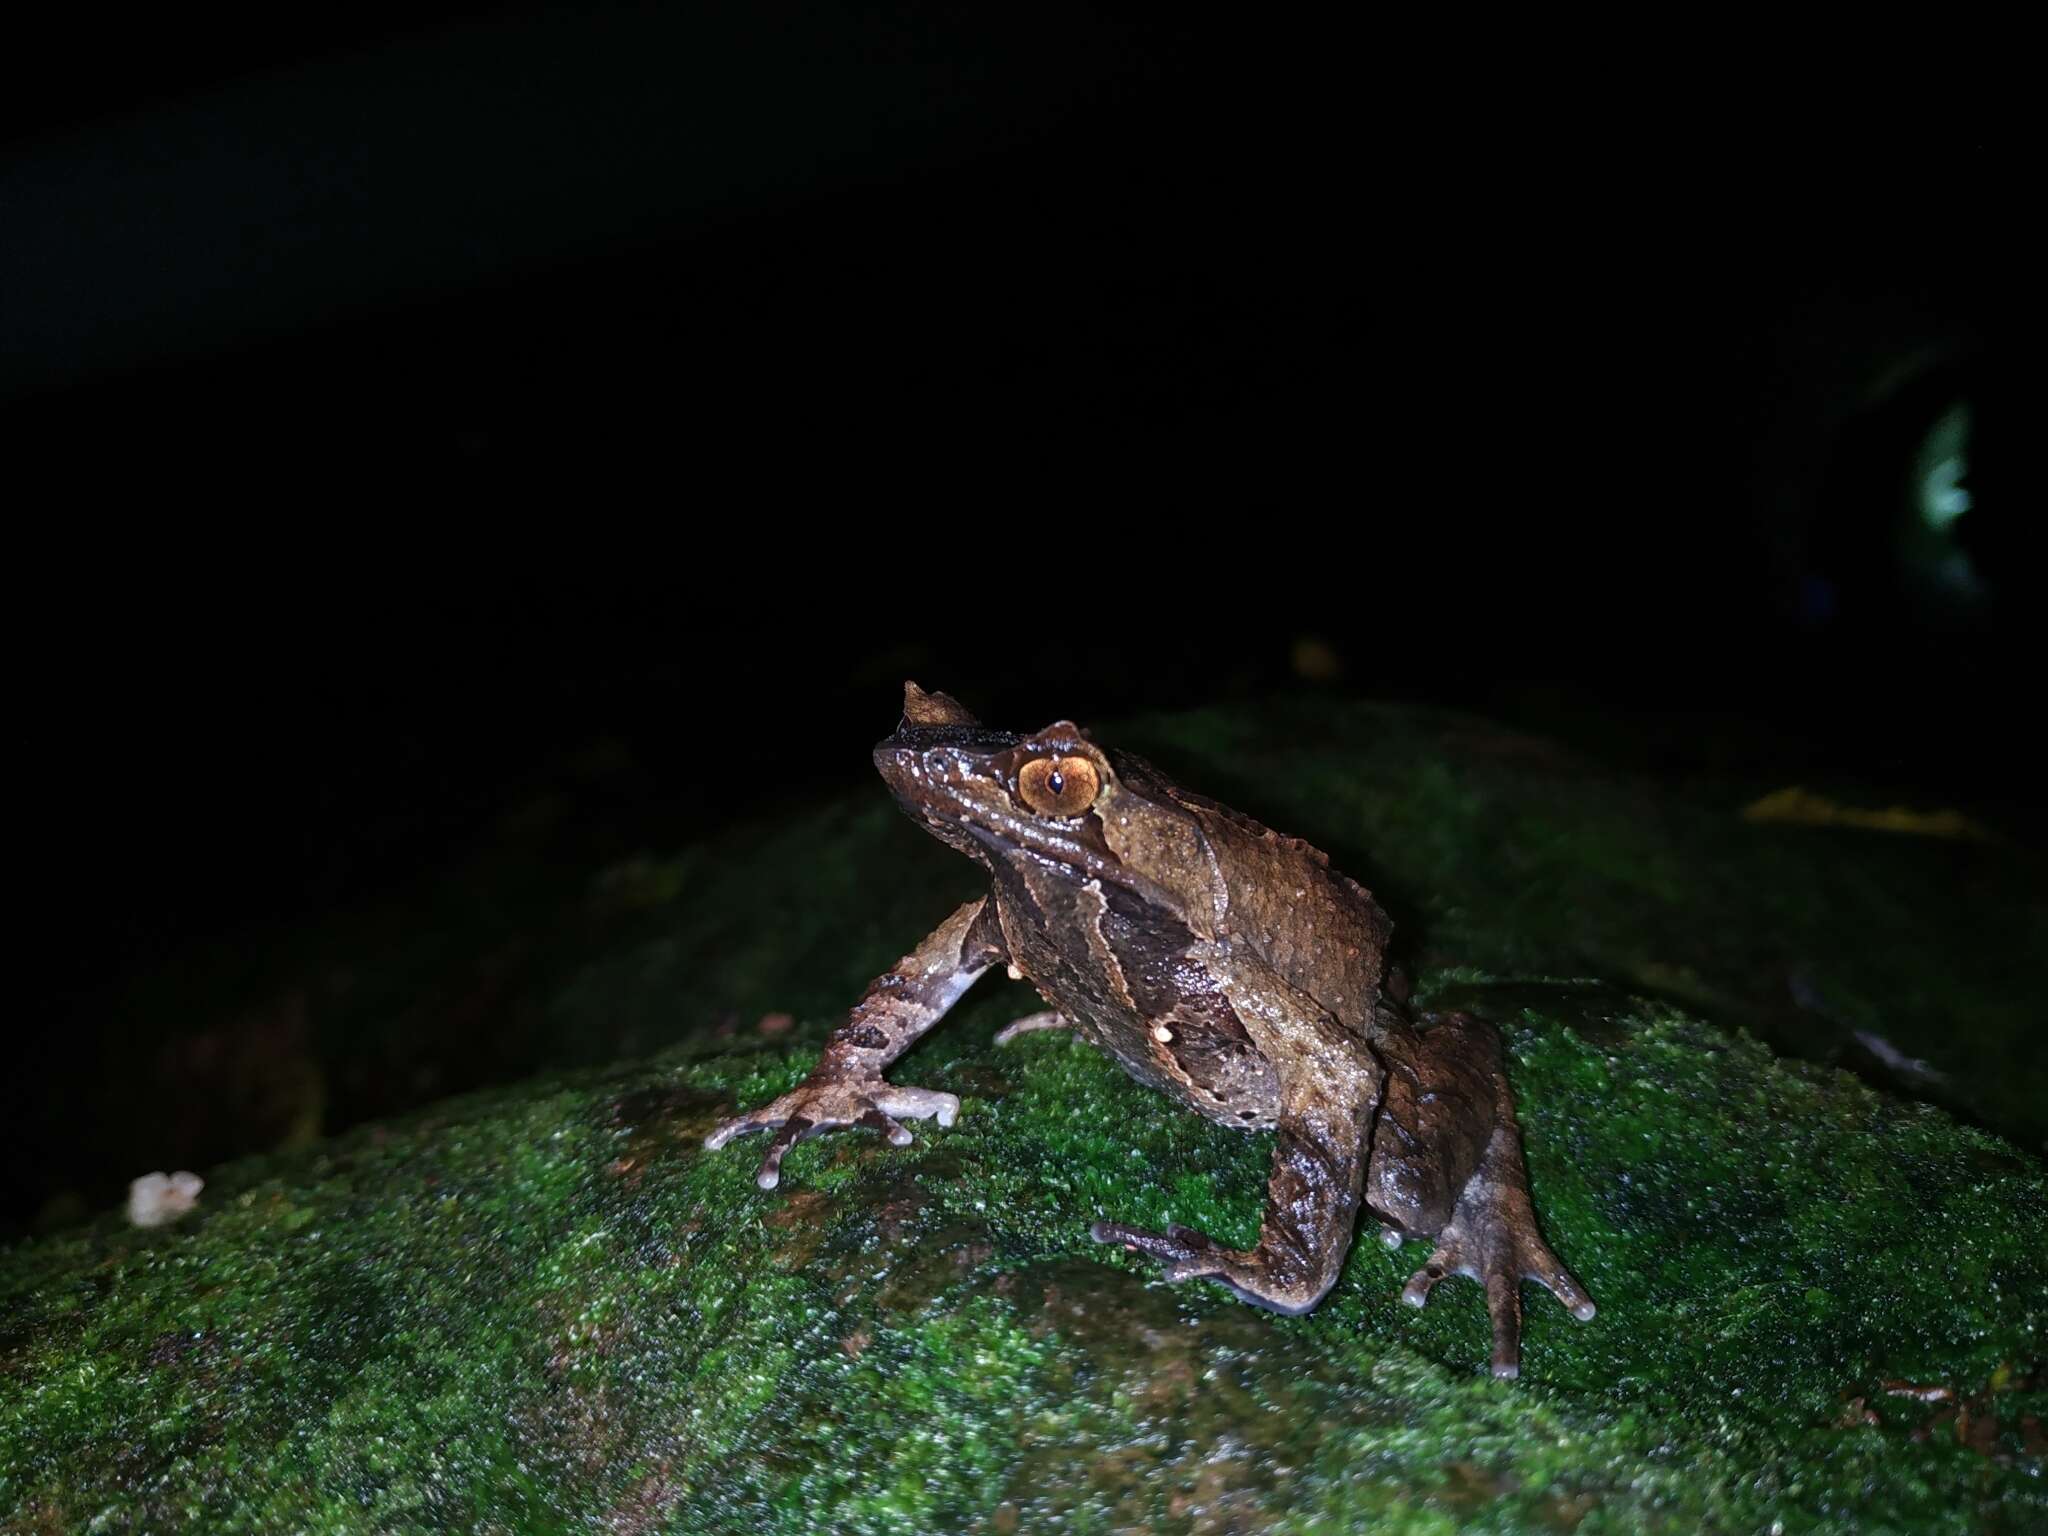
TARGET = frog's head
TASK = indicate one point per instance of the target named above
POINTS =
(1053, 798)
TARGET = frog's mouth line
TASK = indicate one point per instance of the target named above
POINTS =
(1016, 836)
(1079, 861)
(1006, 833)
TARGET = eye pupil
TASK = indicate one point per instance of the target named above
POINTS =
(1057, 786)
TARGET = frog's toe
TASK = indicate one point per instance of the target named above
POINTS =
(1558, 1280)
(888, 1125)
(1500, 1259)
(818, 1106)
(917, 1104)
(1183, 1253)
(1032, 1023)
(1186, 1254)
(793, 1130)
(1176, 1246)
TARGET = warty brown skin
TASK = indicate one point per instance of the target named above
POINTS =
(1221, 963)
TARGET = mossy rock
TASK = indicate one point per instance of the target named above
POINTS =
(579, 932)
(1910, 958)
(545, 1308)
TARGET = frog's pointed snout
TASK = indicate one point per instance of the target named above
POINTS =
(894, 760)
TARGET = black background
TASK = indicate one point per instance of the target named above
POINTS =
(397, 401)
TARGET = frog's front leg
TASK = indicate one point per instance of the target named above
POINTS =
(847, 1087)
(1447, 1163)
(1329, 1085)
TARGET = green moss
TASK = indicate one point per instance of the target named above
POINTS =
(546, 1309)
(1503, 851)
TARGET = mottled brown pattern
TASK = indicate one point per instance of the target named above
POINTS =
(1434, 1123)
(1225, 965)
(1182, 1017)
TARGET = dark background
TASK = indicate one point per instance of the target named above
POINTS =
(399, 402)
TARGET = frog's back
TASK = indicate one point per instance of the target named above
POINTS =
(1320, 930)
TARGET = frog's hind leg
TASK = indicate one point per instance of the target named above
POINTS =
(1450, 1124)
(1328, 1092)
(1434, 1120)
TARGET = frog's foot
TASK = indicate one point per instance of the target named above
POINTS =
(1492, 1237)
(816, 1106)
(1262, 1278)
(1031, 1023)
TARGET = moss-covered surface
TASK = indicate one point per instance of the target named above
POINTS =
(543, 1308)
(1491, 848)
(546, 1309)
(579, 932)
(1501, 850)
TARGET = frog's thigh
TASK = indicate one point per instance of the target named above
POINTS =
(1329, 1085)
(1312, 1194)
(1329, 1082)
(1435, 1119)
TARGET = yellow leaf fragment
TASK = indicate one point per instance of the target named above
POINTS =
(1804, 808)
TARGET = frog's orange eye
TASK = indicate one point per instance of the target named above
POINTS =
(1058, 786)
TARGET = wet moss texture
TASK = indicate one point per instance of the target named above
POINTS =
(544, 1308)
